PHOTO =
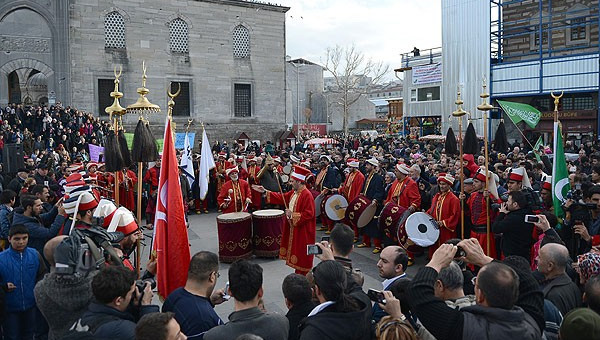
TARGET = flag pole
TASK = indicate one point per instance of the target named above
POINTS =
(459, 113)
(484, 108)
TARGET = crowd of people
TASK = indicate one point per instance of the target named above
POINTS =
(502, 266)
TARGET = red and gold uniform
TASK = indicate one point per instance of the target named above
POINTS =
(221, 165)
(353, 184)
(477, 208)
(253, 170)
(300, 230)
(238, 191)
(127, 182)
(445, 208)
(405, 193)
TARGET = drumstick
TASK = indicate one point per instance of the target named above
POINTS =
(282, 197)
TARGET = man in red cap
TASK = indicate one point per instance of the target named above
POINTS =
(253, 170)
(327, 179)
(352, 186)
(546, 193)
(239, 160)
(445, 208)
(374, 189)
(517, 179)
(235, 194)
(404, 192)
(299, 230)
(478, 212)
(221, 166)
(151, 178)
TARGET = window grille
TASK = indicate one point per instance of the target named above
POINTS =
(241, 42)
(178, 36)
(242, 104)
(114, 30)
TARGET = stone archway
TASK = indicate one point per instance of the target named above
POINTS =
(33, 78)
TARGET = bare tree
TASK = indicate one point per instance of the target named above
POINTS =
(354, 76)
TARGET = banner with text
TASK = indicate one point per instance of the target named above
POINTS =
(521, 112)
(427, 74)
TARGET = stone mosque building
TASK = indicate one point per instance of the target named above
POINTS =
(228, 56)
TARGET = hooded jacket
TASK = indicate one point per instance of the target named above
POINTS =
(63, 299)
(471, 166)
(38, 234)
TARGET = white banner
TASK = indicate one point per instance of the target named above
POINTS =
(426, 74)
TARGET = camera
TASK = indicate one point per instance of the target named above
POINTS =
(460, 252)
(313, 249)
(376, 296)
(531, 219)
(141, 285)
(325, 238)
(575, 194)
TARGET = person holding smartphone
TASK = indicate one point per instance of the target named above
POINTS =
(516, 231)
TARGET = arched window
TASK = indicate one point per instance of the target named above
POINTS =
(178, 36)
(114, 30)
(241, 42)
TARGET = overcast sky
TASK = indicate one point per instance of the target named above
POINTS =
(382, 29)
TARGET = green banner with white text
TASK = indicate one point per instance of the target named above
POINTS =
(518, 112)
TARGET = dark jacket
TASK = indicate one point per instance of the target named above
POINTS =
(295, 315)
(516, 234)
(333, 325)
(4, 222)
(269, 326)
(562, 292)
(376, 188)
(444, 322)
(332, 178)
(108, 323)
(15, 184)
(23, 270)
(38, 234)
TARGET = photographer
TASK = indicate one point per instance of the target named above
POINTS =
(582, 220)
(516, 233)
(114, 289)
(509, 302)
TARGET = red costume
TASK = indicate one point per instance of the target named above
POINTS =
(445, 208)
(351, 187)
(476, 203)
(300, 231)
(151, 177)
(240, 192)
(252, 179)
(405, 193)
(126, 188)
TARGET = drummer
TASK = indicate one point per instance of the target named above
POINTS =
(445, 209)
(327, 179)
(404, 192)
(300, 225)
(374, 189)
(352, 186)
(235, 193)
(253, 170)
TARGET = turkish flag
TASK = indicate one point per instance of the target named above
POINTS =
(170, 233)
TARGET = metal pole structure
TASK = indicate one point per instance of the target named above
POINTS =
(116, 127)
(139, 217)
(485, 107)
(459, 113)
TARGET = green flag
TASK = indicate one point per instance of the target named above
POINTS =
(560, 176)
(521, 112)
(536, 148)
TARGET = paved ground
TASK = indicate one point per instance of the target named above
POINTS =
(203, 236)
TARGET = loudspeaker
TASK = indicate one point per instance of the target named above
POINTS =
(12, 157)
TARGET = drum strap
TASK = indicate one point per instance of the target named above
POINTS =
(399, 190)
(320, 178)
(368, 182)
(438, 206)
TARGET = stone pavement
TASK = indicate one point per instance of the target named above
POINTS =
(202, 234)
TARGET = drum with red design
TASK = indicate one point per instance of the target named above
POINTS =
(235, 236)
(403, 236)
(389, 218)
(335, 207)
(267, 227)
(360, 211)
(320, 204)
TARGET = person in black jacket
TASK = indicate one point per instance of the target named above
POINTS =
(509, 300)
(114, 289)
(298, 299)
(516, 233)
(339, 315)
(374, 189)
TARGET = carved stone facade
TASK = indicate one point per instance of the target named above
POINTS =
(76, 44)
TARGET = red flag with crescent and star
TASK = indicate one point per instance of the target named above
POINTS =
(170, 242)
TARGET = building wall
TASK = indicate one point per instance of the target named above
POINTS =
(210, 67)
(305, 82)
(362, 108)
(465, 57)
(520, 25)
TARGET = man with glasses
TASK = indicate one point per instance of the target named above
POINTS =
(193, 304)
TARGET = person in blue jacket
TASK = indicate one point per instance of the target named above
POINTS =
(20, 268)
(32, 218)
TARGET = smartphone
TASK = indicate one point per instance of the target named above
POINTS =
(376, 295)
(313, 249)
(531, 219)
(325, 238)
(226, 296)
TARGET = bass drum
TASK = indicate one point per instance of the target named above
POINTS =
(402, 236)
(319, 201)
(360, 211)
(388, 220)
(422, 229)
(335, 207)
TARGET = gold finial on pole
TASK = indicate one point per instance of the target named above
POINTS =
(459, 102)
(485, 107)
(143, 105)
(556, 102)
(116, 107)
(171, 103)
(459, 113)
(189, 125)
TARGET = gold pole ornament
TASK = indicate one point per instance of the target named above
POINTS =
(485, 107)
